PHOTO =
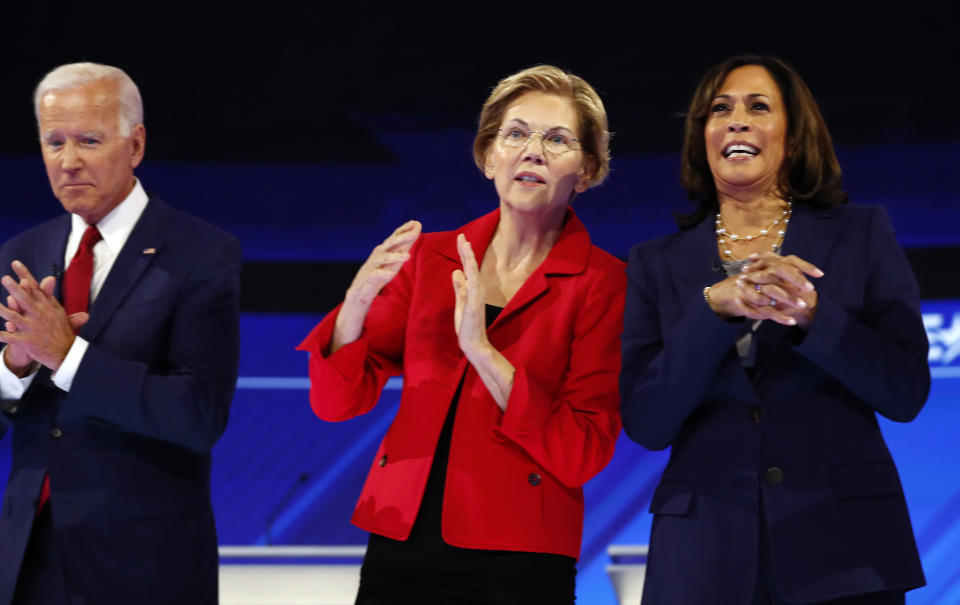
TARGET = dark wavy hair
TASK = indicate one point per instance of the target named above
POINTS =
(810, 172)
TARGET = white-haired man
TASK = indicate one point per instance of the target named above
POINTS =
(118, 369)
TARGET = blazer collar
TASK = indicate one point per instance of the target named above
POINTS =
(568, 256)
(811, 235)
(693, 260)
(52, 248)
(144, 244)
(695, 263)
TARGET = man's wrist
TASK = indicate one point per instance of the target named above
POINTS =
(20, 369)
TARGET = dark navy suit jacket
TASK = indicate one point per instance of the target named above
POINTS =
(128, 448)
(795, 443)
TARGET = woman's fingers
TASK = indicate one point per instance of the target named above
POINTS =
(771, 294)
(808, 268)
(470, 267)
(792, 268)
(781, 274)
(402, 238)
(384, 262)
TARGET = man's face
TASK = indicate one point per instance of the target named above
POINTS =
(89, 163)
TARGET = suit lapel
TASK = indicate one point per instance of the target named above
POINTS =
(49, 260)
(568, 256)
(145, 243)
(694, 263)
(811, 235)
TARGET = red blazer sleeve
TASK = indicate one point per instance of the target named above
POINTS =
(348, 383)
(572, 435)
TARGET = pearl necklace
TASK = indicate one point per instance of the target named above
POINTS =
(723, 235)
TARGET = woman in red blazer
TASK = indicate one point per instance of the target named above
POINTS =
(507, 334)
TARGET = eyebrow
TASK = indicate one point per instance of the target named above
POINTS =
(57, 133)
(752, 95)
(551, 129)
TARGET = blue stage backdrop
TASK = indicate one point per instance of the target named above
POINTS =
(282, 476)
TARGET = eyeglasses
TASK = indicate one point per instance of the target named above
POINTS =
(554, 141)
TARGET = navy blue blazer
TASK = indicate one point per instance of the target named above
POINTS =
(795, 444)
(128, 448)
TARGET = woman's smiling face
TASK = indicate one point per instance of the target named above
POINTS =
(746, 132)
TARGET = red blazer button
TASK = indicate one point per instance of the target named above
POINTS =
(533, 479)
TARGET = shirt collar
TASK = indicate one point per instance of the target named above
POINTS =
(119, 222)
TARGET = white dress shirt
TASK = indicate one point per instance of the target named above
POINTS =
(115, 229)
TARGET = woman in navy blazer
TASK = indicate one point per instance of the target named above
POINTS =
(505, 331)
(759, 343)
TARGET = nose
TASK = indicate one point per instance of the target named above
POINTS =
(70, 159)
(738, 121)
(533, 152)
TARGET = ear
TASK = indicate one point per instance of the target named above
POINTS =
(138, 144)
(585, 176)
(488, 166)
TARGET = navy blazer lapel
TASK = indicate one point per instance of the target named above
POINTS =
(693, 262)
(811, 235)
(52, 247)
(144, 244)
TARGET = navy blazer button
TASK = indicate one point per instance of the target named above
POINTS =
(35, 504)
(773, 476)
(756, 413)
(383, 460)
(533, 479)
(56, 433)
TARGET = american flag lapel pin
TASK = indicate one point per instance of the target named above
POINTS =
(148, 251)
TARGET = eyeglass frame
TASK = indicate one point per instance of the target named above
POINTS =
(529, 138)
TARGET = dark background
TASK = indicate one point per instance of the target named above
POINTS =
(352, 117)
(314, 82)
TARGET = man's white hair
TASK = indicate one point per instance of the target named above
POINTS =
(75, 75)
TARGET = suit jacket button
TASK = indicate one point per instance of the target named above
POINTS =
(56, 433)
(533, 479)
(14, 409)
(35, 505)
(383, 460)
(773, 476)
(756, 414)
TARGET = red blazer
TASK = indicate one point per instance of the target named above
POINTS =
(513, 479)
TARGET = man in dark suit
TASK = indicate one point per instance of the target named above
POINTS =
(117, 395)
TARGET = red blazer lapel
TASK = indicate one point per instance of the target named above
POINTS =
(568, 256)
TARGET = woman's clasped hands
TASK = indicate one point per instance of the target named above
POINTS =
(769, 287)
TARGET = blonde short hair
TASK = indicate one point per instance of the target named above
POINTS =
(75, 75)
(594, 136)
